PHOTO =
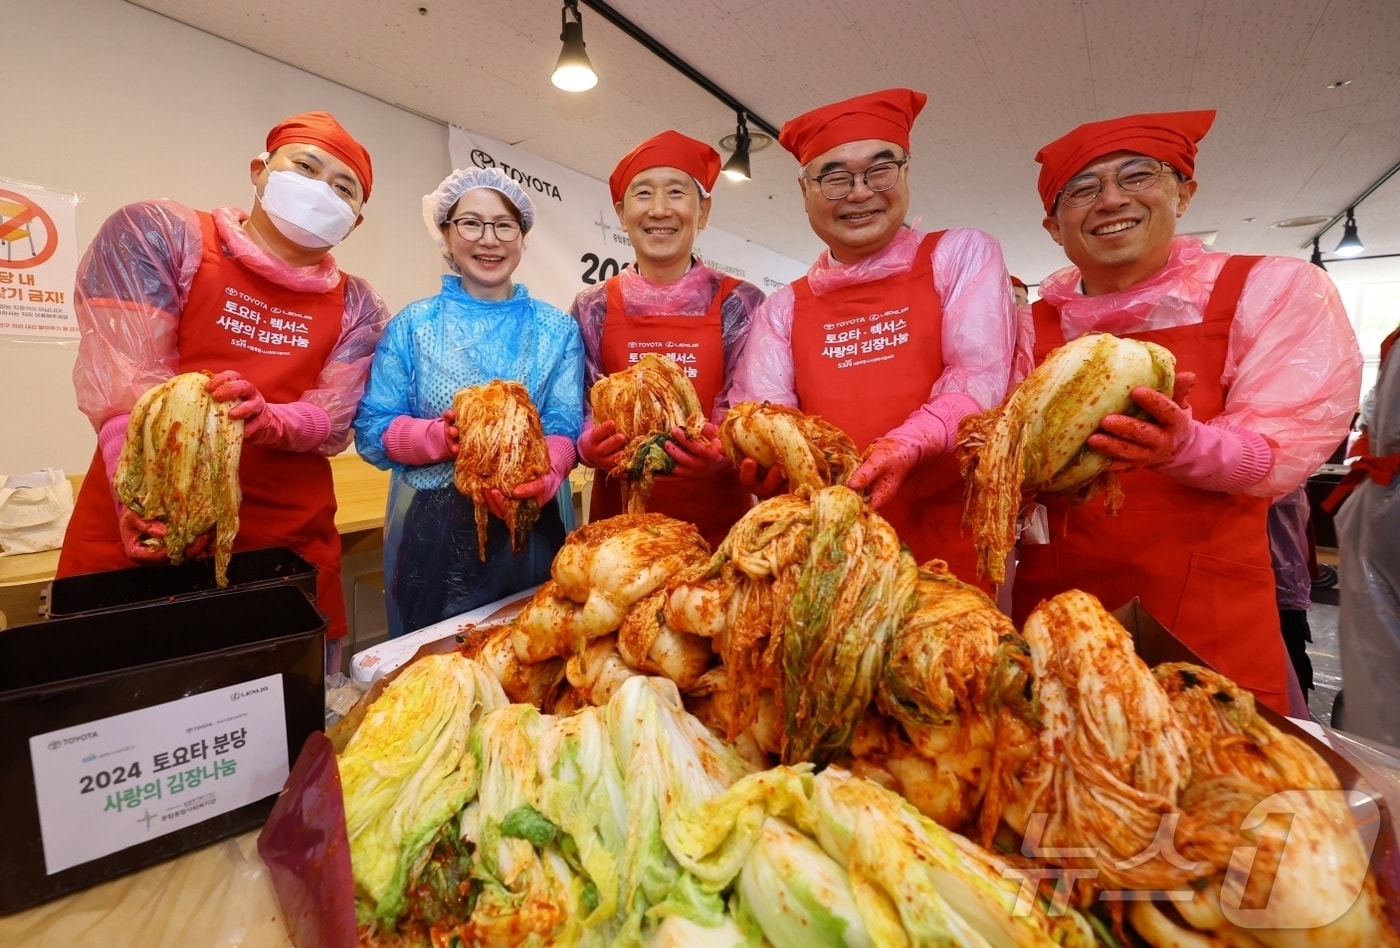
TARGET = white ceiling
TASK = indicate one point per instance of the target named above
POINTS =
(1003, 78)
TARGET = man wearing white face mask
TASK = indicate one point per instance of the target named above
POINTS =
(257, 300)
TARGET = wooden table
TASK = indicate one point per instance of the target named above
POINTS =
(361, 492)
(219, 895)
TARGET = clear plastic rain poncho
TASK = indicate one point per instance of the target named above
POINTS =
(132, 284)
(979, 321)
(1368, 546)
(1292, 367)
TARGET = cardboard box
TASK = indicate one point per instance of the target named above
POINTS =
(131, 736)
(123, 588)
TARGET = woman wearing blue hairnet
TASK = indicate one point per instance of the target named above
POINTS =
(482, 326)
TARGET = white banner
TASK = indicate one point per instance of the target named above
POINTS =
(38, 257)
(577, 241)
(118, 781)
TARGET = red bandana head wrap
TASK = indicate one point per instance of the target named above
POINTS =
(1166, 136)
(887, 115)
(321, 128)
(670, 149)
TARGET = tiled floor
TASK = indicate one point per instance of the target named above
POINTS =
(1327, 664)
(1326, 661)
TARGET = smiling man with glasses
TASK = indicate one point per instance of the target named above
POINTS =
(894, 335)
(1268, 356)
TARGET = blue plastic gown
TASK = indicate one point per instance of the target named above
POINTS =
(430, 350)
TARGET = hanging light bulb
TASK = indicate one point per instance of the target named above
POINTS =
(573, 72)
(1317, 256)
(1350, 244)
(737, 167)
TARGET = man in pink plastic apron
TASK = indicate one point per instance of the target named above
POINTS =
(670, 303)
(258, 300)
(1272, 369)
(893, 335)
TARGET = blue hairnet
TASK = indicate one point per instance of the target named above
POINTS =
(439, 204)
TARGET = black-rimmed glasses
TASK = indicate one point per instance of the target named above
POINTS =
(469, 228)
(878, 177)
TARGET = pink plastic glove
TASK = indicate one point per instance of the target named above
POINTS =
(762, 484)
(884, 468)
(419, 441)
(601, 445)
(111, 437)
(697, 457)
(1223, 459)
(292, 426)
(561, 461)
(450, 432)
(134, 529)
(1135, 442)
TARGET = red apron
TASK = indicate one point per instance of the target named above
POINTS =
(865, 356)
(1198, 559)
(279, 340)
(697, 342)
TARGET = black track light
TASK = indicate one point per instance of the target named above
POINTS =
(737, 167)
(573, 72)
(1350, 245)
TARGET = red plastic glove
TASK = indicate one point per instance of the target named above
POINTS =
(884, 468)
(228, 386)
(496, 502)
(1135, 442)
(561, 461)
(135, 529)
(601, 445)
(762, 484)
(697, 457)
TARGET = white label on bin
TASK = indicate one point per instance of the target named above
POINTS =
(115, 782)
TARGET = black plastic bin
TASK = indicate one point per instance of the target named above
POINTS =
(82, 671)
(121, 588)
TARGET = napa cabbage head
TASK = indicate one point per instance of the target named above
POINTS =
(408, 769)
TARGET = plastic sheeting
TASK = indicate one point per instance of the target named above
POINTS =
(1368, 547)
(1288, 548)
(431, 567)
(132, 284)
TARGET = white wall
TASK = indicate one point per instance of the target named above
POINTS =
(1370, 290)
(119, 104)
